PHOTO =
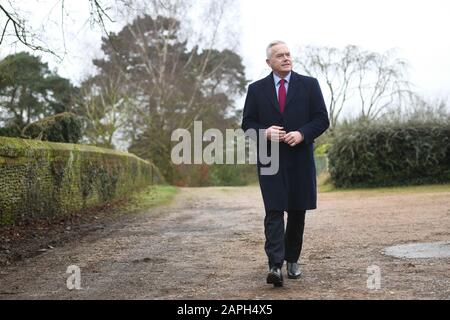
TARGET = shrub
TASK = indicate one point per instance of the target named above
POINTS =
(366, 155)
(64, 127)
(233, 175)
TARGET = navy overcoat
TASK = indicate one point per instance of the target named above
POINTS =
(293, 187)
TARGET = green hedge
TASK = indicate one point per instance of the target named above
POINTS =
(44, 179)
(386, 155)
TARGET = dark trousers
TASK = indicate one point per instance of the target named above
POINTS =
(283, 244)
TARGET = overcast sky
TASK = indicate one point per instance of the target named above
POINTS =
(418, 29)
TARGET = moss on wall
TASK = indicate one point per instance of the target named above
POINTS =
(43, 179)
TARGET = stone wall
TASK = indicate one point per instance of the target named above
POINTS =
(43, 179)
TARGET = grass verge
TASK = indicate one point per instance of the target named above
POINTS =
(153, 196)
(324, 185)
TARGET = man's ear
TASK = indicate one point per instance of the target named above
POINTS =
(268, 63)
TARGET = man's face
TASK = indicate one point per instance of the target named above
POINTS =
(280, 60)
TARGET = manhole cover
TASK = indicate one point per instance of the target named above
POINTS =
(420, 250)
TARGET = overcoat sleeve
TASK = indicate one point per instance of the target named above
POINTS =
(250, 119)
(319, 115)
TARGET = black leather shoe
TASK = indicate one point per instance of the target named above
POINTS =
(275, 277)
(293, 270)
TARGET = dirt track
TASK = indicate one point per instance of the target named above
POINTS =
(209, 244)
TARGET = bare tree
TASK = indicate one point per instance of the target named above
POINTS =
(164, 79)
(14, 26)
(353, 76)
(161, 75)
(103, 104)
(422, 110)
(171, 58)
(178, 72)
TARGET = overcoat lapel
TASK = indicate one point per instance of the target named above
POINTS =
(293, 88)
(271, 94)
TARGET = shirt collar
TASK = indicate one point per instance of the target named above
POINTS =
(277, 78)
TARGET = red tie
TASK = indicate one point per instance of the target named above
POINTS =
(282, 95)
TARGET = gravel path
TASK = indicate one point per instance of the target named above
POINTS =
(209, 244)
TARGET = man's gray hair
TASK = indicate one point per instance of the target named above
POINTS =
(271, 45)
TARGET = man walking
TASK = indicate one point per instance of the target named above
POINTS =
(291, 109)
